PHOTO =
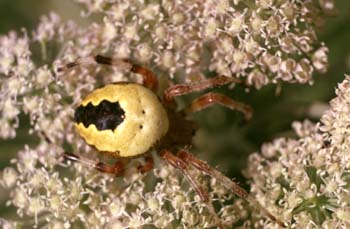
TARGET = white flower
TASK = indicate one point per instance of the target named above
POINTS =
(260, 42)
(312, 171)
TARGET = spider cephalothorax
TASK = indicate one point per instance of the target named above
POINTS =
(128, 119)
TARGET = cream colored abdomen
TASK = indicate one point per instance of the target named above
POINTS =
(144, 124)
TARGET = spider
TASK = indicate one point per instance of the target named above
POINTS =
(126, 120)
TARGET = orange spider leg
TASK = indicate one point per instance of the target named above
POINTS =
(211, 98)
(179, 164)
(182, 89)
(183, 167)
(117, 168)
(228, 183)
(204, 167)
(149, 79)
(148, 166)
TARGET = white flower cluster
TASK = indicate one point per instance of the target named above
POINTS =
(45, 192)
(261, 41)
(305, 181)
(16, 64)
(58, 199)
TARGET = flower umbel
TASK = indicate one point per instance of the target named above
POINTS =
(259, 42)
(306, 180)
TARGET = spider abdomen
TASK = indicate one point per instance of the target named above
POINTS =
(124, 119)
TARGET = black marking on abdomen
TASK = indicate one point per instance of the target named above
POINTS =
(105, 116)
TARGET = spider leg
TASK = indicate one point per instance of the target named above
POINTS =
(182, 89)
(183, 167)
(149, 79)
(116, 169)
(179, 164)
(227, 182)
(147, 166)
(204, 167)
(211, 98)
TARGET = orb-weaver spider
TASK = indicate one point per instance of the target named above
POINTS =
(128, 119)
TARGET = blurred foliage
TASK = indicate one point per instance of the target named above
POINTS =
(224, 139)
